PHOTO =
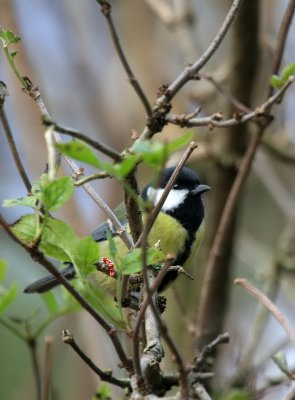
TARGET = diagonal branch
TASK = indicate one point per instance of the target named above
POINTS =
(10, 139)
(106, 11)
(69, 339)
(37, 256)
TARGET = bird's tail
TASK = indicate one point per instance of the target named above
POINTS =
(49, 282)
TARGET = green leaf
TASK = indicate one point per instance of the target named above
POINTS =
(112, 245)
(276, 82)
(8, 37)
(28, 201)
(281, 360)
(25, 228)
(131, 263)
(51, 302)
(237, 394)
(180, 142)
(13, 54)
(84, 253)
(40, 185)
(3, 270)
(288, 71)
(57, 238)
(57, 193)
(121, 169)
(103, 393)
(81, 152)
(8, 296)
(153, 153)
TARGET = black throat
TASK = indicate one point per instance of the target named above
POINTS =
(190, 215)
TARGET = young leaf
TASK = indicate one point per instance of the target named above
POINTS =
(8, 37)
(57, 193)
(28, 201)
(179, 142)
(25, 228)
(84, 253)
(120, 170)
(288, 71)
(51, 302)
(131, 263)
(276, 82)
(153, 153)
(3, 269)
(103, 393)
(112, 245)
(57, 238)
(81, 152)
(7, 297)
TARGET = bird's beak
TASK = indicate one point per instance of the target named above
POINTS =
(200, 189)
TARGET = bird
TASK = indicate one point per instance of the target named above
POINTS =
(177, 229)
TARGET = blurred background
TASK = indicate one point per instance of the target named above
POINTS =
(66, 49)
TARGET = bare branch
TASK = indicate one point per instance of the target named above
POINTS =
(263, 299)
(216, 120)
(47, 367)
(10, 139)
(108, 151)
(69, 339)
(106, 11)
(190, 72)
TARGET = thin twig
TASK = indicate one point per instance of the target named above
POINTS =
(47, 367)
(103, 148)
(106, 11)
(263, 299)
(37, 256)
(32, 344)
(217, 121)
(190, 72)
(69, 339)
(11, 142)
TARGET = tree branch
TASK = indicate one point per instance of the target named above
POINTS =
(69, 339)
(37, 256)
(102, 148)
(106, 11)
(263, 299)
(10, 139)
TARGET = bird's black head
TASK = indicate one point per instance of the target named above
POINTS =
(184, 201)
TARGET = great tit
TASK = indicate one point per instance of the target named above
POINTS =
(177, 229)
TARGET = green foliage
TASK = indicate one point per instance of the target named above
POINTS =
(131, 263)
(103, 393)
(52, 195)
(8, 37)
(278, 81)
(84, 253)
(57, 193)
(81, 152)
(7, 295)
(29, 201)
(237, 394)
(281, 361)
(155, 154)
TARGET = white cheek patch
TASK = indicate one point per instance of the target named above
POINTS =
(174, 199)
